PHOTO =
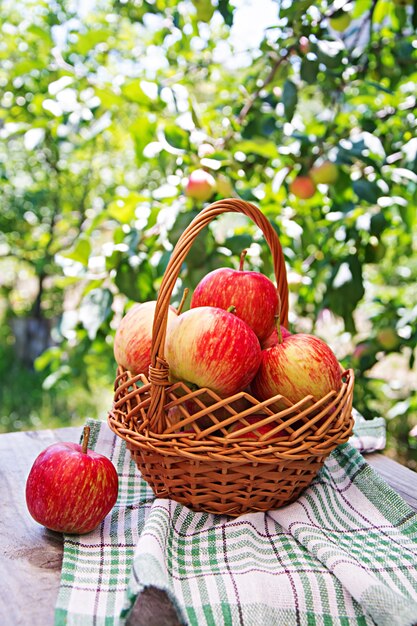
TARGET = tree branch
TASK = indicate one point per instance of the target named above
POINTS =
(252, 99)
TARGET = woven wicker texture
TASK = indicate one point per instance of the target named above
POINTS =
(202, 450)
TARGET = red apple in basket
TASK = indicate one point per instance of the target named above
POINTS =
(71, 489)
(253, 295)
(299, 366)
(133, 339)
(212, 348)
(258, 431)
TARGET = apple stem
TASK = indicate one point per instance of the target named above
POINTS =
(86, 436)
(231, 308)
(242, 259)
(278, 327)
(183, 299)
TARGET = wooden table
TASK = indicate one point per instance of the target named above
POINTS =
(31, 556)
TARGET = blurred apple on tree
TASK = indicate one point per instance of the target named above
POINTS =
(388, 338)
(303, 187)
(200, 185)
(326, 173)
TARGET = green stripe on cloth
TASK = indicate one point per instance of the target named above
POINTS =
(345, 553)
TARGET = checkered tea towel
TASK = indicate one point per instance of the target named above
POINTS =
(344, 553)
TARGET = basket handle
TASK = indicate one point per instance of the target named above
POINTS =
(159, 371)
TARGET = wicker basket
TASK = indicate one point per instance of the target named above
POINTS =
(180, 438)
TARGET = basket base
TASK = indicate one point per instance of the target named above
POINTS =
(231, 488)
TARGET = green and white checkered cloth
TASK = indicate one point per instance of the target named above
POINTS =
(345, 553)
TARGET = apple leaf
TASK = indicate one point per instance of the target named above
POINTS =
(135, 282)
(289, 99)
(80, 252)
(309, 71)
(226, 11)
(95, 308)
(345, 289)
(177, 137)
(366, 190)
(237, 243)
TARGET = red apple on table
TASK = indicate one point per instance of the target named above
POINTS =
(257, 432)
(133, 339)
(303, 187)
(253, 295)
(301, 365)
(200, 185)
(71, 489)
(212, 348)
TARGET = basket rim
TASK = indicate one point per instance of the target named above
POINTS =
(302, 443)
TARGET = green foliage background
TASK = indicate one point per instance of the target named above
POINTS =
(106, 110)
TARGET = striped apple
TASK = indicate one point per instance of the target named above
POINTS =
(133, 339)
(252, 294)
(301, 365)
(212, 348)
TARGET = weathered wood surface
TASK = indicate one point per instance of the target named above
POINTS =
(31, 556)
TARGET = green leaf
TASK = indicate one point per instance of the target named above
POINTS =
(289, 99)
(360, 7)
(143, 131)
(294, 9)
(136, 282)
(89, 40)
(95, 308)
(47, 358)
(177, 137)
(237, 243)
(226, 11)
(80, 252)
(366, 190)
(345, 289)
(123, 209)
(134, 92)
(182, 220)
(262, 147)
(309, 70)
(378, 224)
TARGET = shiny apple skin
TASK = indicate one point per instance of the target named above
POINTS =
(133, 339)
(300, 366)
(252, 294)
(212, 348)
(70, 491)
